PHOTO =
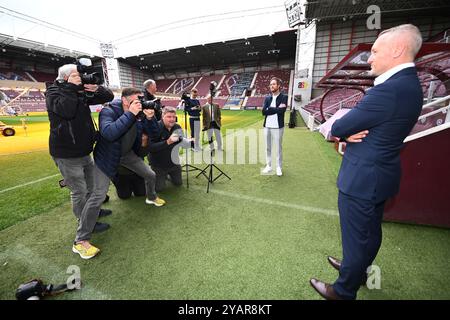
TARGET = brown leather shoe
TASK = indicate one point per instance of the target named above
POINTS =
(324, 289)
(335, 263)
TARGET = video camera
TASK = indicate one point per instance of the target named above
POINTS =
(84, 67)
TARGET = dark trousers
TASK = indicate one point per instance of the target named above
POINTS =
(161, 176)
(128, 184)
(361, 239)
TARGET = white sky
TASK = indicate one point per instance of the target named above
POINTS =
(169, 24)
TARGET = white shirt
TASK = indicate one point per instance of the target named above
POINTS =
(211, 109)
(272, 120)
(383, 77)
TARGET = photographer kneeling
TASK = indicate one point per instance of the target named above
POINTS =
(122, 123)
(164, 147)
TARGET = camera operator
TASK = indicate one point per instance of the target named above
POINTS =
(164, 147)
(121, 129)
(193, 108)
(72, 137)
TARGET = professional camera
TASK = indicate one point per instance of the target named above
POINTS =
(84, 67)
(186, 97)
(150, 105)
(36, 290)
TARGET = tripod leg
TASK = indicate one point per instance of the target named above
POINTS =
(187, 172)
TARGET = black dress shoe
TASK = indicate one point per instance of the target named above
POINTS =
(324, 289)
(335, 263)
(100, 227)
(104, 212)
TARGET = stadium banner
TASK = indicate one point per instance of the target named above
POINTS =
(110, 66)
(302, 91)
(293, 12)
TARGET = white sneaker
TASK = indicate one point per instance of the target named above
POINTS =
(279, 172)
(267, 169)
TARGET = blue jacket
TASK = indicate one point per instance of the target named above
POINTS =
(267, 111)
(113, 124)
(371, 169)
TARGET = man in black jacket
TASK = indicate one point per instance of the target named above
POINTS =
(164, 148)
(72, 137)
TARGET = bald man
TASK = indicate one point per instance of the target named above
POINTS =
(370, 170)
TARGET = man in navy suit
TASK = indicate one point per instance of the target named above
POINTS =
(370, 171)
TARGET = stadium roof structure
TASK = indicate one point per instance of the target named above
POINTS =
(27, 49)
(248, 52)
(353, 69)
(155, 26)
(333, 10)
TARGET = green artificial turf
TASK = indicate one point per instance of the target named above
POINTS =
(254, 237)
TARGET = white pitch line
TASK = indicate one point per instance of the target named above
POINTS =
(28, 183)
(273, 202)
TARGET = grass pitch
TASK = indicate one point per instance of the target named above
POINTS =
(254, 237)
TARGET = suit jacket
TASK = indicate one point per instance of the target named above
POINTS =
(267, 111)
(207, 115)
(371, 169)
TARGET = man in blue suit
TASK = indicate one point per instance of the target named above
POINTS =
(370, 171)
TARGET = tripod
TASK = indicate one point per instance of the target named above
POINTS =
(209, 168)
(188, 167)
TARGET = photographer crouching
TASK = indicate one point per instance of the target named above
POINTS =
(164, 147)
(72, 137)
(122, 125)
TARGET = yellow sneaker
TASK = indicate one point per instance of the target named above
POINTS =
(85, 253)
(157, 202)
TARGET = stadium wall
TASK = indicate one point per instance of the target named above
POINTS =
(335, 40)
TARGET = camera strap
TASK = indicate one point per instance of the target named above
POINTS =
(97, 131)
(55, 290)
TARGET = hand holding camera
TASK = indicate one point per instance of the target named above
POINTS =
(90, 87)
(135, 107)
(149, 113)
(173, 139)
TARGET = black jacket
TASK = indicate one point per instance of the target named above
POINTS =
(160, 155)
(114, 124)
(72, 132)
(267, 110)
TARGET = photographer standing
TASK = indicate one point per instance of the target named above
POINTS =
(149, 95)
(193, 108)
(72, 137)
(164, 147)
(121, 130)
